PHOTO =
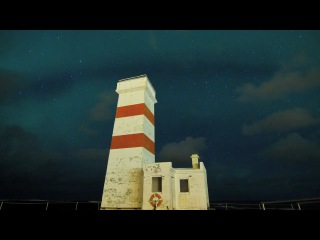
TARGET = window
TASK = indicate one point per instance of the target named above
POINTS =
(156, 184)
(184, 185)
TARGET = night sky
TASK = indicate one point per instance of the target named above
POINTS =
(247, 101)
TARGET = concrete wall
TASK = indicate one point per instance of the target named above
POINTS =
(123, 187)
(127, 91)
(164, 170)
(133, 125)
(124, 178)
(196, 198)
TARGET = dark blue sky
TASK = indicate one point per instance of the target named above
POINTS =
(246, 101)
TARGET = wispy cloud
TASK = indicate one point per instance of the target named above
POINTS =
(102, 110)
(294, 148)
(283, 83)
(181, 151)
(25, 164)
(9, 85)
(91, 154)
(281, 121)
(30, 170)
(152, 39)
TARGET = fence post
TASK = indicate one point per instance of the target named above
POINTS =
(47, 206)
(298, 206)
(1, 205)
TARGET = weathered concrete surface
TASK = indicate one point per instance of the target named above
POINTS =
(131, 163)
(123, 188)
(196, 199)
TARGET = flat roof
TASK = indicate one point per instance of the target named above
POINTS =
(140, 76)
(125, 79)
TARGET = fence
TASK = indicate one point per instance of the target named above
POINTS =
(47, 205)
(300, 204)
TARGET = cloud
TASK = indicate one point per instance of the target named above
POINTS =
(281, 121)
(282, 84)
(87, 129)
(153, 42)
(181, 151)
(25, 166)
(91, 154)
(29, 170)
(294, 148)
(262, 180)
(102, 110)
(9, 85)
(7, 43)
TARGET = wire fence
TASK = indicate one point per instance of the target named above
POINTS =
(47, 205)
(300, 204)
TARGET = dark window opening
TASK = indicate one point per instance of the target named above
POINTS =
(184, 185)
(156, 184)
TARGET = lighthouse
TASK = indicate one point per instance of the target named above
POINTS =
(132, 144)
(134, 180)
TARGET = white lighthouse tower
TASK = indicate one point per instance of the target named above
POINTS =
(132, 145)
(133, 179)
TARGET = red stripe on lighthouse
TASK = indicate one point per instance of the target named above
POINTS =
(133, 110)
(131, 141)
